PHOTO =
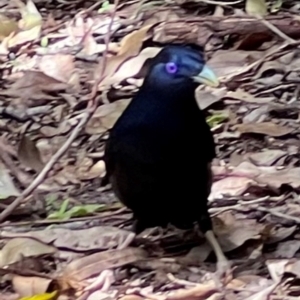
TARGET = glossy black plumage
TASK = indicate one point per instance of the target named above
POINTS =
(159, 152)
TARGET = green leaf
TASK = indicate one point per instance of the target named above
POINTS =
(76, 211)
(275, 7)
(105, 7)
(216, 119)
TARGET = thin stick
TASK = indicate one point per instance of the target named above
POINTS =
(92, 106)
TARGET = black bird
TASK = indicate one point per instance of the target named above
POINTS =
(158, 156)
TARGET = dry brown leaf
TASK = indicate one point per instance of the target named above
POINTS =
(23, 37)
(225, 63)
(94, 238)
(231, 186)
(29, 154)
(32, 85)
(130, 46)
(7, 26)
(18, 248)
(30, 286)
(242, 95)
(105, 116)
(91, 265)
(201, 291)
(131, 67)
(96, 171)
(206, 98)
(267, 128)
(287, 249)
(267, 157)
(280, 234)
(58, 66)
(233, 233)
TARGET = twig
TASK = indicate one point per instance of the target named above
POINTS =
(277, 214)
(92, 106)
(277, 31)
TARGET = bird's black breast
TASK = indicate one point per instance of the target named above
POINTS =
(158, 163)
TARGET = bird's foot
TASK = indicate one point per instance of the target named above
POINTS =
(224, 270)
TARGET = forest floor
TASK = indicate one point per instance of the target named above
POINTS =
(68, 70)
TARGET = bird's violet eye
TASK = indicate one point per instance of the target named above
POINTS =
(171, 67)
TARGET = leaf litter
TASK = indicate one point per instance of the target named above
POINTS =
(78, 245)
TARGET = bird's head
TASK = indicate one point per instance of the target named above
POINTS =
(181, 65)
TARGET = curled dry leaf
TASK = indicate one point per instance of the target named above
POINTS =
(266, 128)
(18, 248)
(29, 154)
(130, 46)
(90, 266)
(30, 286)
(131, 67)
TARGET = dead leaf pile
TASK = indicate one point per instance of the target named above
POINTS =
(52, 54)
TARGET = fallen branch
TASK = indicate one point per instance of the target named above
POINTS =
(200, 30)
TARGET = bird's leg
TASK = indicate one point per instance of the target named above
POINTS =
(223, 265)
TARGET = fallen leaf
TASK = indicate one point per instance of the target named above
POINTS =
(287, 249)
(267, 157)
(17, 248)
(29, 154)
(256, 7)
(7, 187)
(91, 265)
(130, 46)
(131, 67)
(32, 85)
(105, 116)
(94, 238)
(201, 291)
(242, 95)
(226, 63)
(267, 128)
(233, 233)
(231, 186)
(31, 286)
(207, 98)
(58, 66)
(7, 26)
(30, 15)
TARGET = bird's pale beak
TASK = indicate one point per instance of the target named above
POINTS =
(207, 77)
